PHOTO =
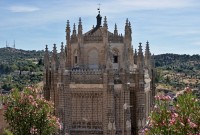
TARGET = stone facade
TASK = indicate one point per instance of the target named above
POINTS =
(99, 86)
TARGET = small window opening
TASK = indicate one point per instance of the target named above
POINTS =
(76, 60)
(115, 59)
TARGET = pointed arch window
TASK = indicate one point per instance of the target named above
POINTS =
(115, 59)
(115, 56)
(75, 57)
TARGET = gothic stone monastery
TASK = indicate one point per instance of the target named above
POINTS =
(98, 84)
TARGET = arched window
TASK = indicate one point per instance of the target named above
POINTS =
(75, 57)
(115, 56)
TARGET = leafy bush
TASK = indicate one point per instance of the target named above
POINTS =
(28, 113)
(181, 117)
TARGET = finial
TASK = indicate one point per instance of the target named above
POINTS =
(105, 22)
(80, 27)
(46, 49)
(129, 24)
(115, 26)
(140, 48)
(74, 28)
(126, 21)
(147, 42)
(62, 47)
(115, 31)
(68, 23)
(147, 45)
(68, 26)
(54, 46)
(147, 50)
(79, 20)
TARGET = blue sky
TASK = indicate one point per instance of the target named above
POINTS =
(171, 26)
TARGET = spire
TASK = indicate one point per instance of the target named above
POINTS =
(54, 49)
(54, 53)
(46, 57)
(54, 58)
(147, 55)
(115, 31)
(140, 49)
(136, 52)
(62, 56)
(147, 45)
(127, 29)
(126, 24)
(126, 21)
(98, 19)
(129, 24)
(135, 57)
(68, 32)
(105, 22)
(46, 49)
(62, 48)
(74, 30)
(147, 50)
(68, 26)
(140, 57)
(80, 29)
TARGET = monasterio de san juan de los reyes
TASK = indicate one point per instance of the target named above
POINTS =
(100, 83)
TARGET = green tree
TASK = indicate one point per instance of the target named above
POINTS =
(29, 114)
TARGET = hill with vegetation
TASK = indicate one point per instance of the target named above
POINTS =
(175, 72)
(19, 68)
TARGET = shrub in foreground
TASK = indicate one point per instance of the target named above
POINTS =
(29, 114)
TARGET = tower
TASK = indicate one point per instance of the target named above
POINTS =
(99, 86)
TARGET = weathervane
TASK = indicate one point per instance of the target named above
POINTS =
(99, 8)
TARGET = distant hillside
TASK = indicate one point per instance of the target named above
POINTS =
(176, 71)
(10, 54)
(18, 68)
(174, 59)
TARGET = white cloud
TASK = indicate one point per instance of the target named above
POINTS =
(17, 9)
(115, 6)
(149, 4)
